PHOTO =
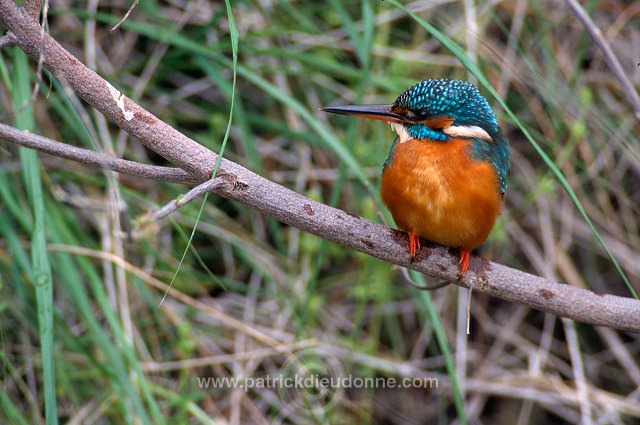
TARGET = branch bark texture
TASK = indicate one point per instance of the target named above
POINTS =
(240, 184)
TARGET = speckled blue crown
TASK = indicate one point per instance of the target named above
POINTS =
(457, 99)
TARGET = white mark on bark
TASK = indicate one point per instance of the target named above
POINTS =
(119, 99)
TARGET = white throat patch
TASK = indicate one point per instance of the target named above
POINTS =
(465, 131)
(401, 130)
(472, 131)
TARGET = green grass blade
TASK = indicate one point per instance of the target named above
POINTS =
(443, 343)
(234, 45)
(41, 268)
(82, 282)
(12, 412)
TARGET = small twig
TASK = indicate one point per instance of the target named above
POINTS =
(7, 41)
(196, 192)
(577, 364)
(411, 282)
(610, 56)
(62, 150)
(510, 55)
(469, 310)
(33, 9)
(126, 15)
(472, 35)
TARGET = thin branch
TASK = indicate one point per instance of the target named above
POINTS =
(33, 9)
(409, 280)
(193, 194)
(237, 183)
(7, 41)
(610, 56)
(124, 18)
(62, 150)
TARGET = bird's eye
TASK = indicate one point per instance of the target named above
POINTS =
(416, 115)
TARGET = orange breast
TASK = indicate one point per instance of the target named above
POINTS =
(435, 190)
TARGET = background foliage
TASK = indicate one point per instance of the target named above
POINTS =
(255, 292)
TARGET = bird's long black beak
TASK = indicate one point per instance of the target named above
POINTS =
(374, 112)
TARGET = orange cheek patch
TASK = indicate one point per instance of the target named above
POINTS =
(439, 122)
(398, 110)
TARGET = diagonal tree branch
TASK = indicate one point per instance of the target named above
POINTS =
(237, 183)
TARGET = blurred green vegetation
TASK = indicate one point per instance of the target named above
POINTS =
(252, 291)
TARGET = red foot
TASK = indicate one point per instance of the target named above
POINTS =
(414, 245)
(465, 255)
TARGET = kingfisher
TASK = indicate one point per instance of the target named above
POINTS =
(446, 174)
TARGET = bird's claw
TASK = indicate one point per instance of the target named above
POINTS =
(465, 256)
(414, 245)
